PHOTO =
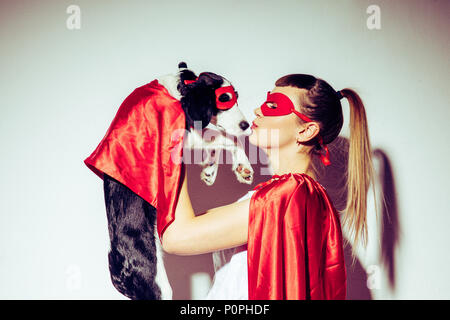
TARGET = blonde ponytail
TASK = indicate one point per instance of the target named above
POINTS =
(360, 174)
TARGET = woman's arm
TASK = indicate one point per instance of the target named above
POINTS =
(219, 228)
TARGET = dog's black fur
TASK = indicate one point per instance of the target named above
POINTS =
(131, 219)
(132, 258)
(198, 98)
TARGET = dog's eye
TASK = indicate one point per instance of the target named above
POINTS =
(224, 97)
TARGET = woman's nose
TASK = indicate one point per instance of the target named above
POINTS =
(257, 112)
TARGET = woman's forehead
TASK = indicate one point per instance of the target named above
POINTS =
(295, 94)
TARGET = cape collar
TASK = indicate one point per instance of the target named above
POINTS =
(284, 176)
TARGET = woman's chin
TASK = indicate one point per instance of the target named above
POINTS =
(255, 140)
(252, 137)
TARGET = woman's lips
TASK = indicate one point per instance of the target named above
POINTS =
(254, 125)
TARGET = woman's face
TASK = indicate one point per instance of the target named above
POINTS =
(277, 131)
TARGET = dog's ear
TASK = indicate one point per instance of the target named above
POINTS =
(206, 82)
(201, 114)
(199, 105)
(199, 98)
(210, 79)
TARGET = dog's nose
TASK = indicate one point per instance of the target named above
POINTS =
(244, 125)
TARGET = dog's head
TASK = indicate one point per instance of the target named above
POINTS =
(210, 98)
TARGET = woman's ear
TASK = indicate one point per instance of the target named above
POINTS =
(308, 131)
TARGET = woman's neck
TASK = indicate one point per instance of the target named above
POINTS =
(284, 160)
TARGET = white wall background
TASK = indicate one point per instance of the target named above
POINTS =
(60, 89)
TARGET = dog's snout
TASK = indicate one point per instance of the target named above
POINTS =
(244, 125)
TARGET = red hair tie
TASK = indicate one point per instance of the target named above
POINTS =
(324, 158)
(190, 81)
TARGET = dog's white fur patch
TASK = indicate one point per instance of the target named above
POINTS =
(170, 82)
(161, 278)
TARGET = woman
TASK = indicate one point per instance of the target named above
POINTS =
(288, 224)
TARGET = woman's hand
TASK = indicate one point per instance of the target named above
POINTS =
(219, 228)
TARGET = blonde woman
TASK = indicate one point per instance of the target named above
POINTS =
(286, 232)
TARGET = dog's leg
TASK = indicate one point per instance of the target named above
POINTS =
(133, 255)
(210, 166)
(241, 165)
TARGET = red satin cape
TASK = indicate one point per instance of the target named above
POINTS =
(295, 248)
(143, 149)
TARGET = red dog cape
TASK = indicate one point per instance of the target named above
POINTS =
(294, 245)
(142, 149)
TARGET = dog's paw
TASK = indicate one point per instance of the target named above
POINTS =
(209, 173)
(244, 173)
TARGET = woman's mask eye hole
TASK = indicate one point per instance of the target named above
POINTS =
(271, 105)
(224, 97)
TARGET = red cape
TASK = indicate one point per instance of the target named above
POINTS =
(295, 248)
(143, 148)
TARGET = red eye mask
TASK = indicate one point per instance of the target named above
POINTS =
(224, 92)
(284, 106)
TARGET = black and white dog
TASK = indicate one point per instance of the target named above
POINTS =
(198, 102)
(135, 257)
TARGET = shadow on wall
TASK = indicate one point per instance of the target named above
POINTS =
(333, 179)
(227, 189)
(390, 225)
